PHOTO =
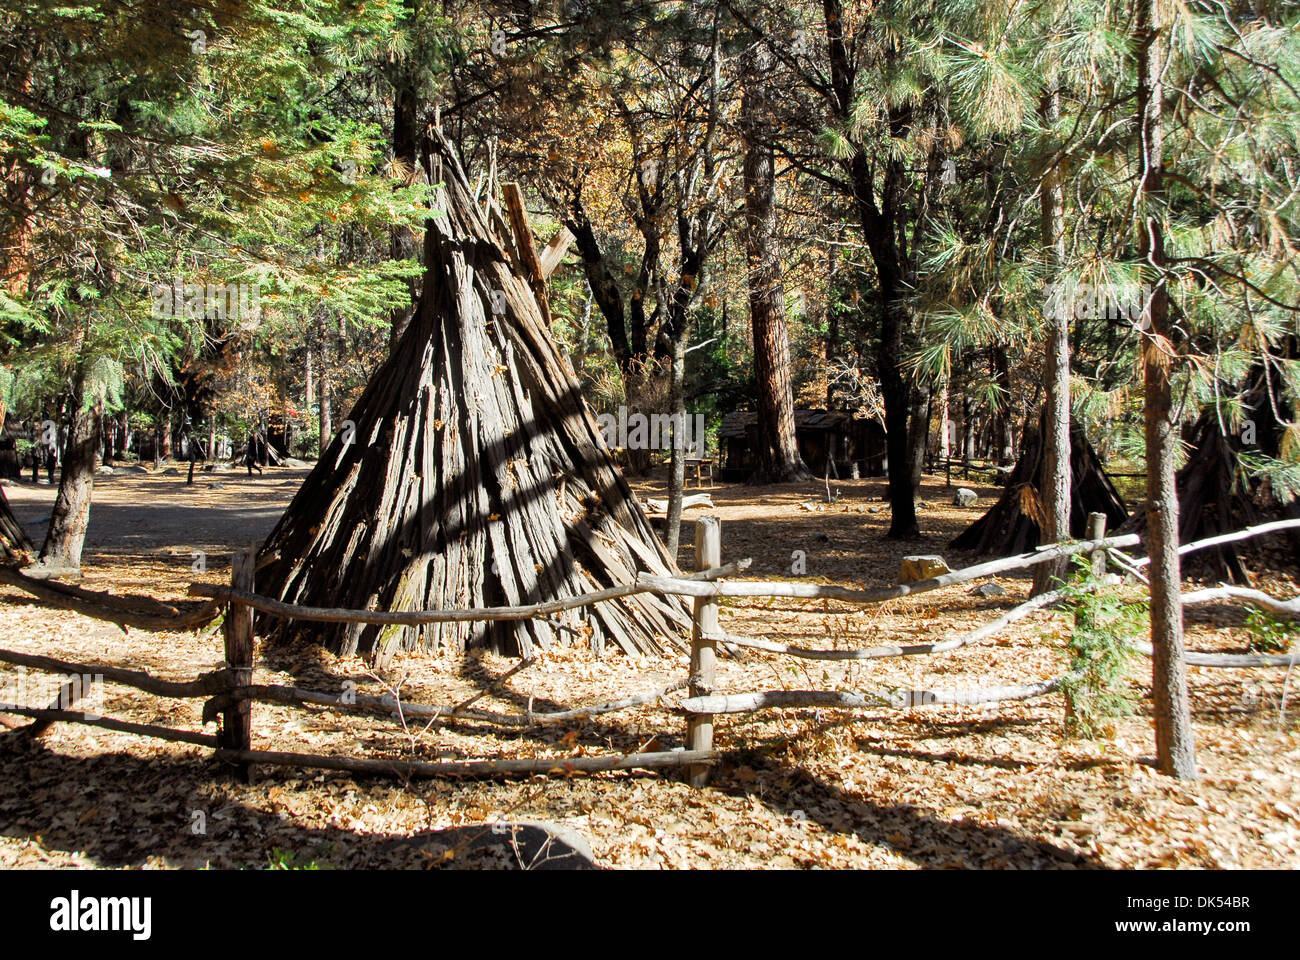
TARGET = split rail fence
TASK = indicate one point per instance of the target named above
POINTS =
(231, 692)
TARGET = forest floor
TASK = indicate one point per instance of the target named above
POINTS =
(930, 786)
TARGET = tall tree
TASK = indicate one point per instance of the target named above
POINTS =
(779, 460)
(1175, 746)
(1054, 493)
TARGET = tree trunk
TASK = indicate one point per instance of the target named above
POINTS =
(677, 456)
(165, 438)
(879, 230)
(918, 433)
(107, 430)
(832, 315)
(476, 477)
(1055, 489)
(61, 552)
(778, 451)
(1175, 745)
(123, 435)
(325, 422)
(309, 375)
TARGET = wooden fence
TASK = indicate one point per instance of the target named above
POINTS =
(230, 693)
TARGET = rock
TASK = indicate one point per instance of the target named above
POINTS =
(171, 472)
(295, 464)
(136, 468)
(874, 509)
(921, 567)
(964, 497)
(823, 538)
(43, 570)
(524, 845)
(923, 504)
(216, 486)
(811, 506)
(864, 509)
(103, 470)
(988, 590)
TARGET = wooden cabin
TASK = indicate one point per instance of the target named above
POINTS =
(852, 445)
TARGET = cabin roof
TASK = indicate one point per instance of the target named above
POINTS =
(735, 424)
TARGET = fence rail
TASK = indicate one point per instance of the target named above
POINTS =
(230, 693)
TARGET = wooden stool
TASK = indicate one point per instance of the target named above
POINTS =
(700, 464)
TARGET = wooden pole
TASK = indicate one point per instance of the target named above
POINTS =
(237, 724)
(1097, 531)
(704, 626)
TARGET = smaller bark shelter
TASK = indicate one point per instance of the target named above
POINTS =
(12, 432)
(823, 436)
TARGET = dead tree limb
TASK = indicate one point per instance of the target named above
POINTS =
(854, 700)
(205, 684)
(119, 726)
(144, 613)
(473, 768)
(275, 693)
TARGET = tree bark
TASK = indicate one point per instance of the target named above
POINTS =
(1175, 745)
(879, 224)
(677, 456)
(61, 552)
(918, 433)
(325, 423)
(778, 451)
(1055, 488)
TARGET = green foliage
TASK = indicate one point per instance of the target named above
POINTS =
(1097, 685)
(287, 860)
(1268, 633)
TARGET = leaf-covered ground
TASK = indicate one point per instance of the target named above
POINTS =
(995, 786)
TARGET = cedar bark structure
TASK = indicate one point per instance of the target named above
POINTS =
(1216, 495)
(778, 452)
(14, 545)
(1014, 524)
(470, 473)
(1175, 746)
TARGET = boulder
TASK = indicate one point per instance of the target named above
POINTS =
(921, 567)
(519, 845)
(988, 590)
(964, 497)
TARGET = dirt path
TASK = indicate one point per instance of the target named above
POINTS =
(924, 787)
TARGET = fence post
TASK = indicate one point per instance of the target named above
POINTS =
(237, 724)
(1097, 530)
(699, 726)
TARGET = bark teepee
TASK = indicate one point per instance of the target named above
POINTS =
(15, 548)
(1216, 494)
(470, 473)
(1011, 525)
